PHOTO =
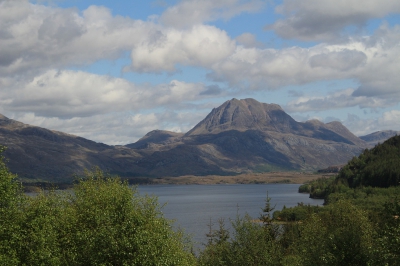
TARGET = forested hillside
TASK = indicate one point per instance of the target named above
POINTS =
(377, 167)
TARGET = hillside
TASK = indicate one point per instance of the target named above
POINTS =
(379, 136)
(240, 136)
(377, 167)
(38, 153)
(247, 136)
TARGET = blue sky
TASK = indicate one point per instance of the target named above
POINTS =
(111, 71)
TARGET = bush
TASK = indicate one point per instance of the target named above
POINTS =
(341, 236)
(102, 222)
(251, 244)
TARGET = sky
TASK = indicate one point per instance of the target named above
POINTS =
(112, 71)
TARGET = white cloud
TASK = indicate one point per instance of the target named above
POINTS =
(193, 12)
(336, 100)
(389, 120)
(34, 38)
(200, 45)
(338, 60)
(324, 20)
(70, 94)
(37, 44)
(115, 128)
(371, 61)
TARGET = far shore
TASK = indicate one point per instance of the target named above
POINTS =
(248, 178)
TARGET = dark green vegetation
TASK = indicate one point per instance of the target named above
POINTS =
(378, 167)
(359, 225)
(104, 222)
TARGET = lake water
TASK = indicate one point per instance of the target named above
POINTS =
(192, 206)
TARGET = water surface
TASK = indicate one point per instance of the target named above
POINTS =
(192, 206)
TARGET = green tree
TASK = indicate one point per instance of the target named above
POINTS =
(251, 243)
(341, 236)
(102, 221)
(118, 227)
(11, 198)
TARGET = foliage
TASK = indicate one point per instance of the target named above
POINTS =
(297, 213)
(251, 244)
(342, 236)
(389, 240)
(11, 198)
(322, 187)
(102, 222)
(378, 167)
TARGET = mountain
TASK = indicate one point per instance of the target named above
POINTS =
(379, 136)
(38, 153)
(246, 135)
(249, 114)
(156, 138)
(238, 136)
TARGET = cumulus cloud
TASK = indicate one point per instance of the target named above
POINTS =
(339, 60)
(114, 128)
(192, 12)
(200, 45)
(35, 37)
(389, 120)
(336, 100)
(270, 69)
(311, 20)
(371, 61)
(37, 44)
(68, 94)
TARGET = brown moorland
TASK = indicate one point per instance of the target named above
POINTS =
(249, 178)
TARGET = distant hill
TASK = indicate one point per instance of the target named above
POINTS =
(38, 153)
(160, 138)
(379, 136)
(238, 136)
(377, 167)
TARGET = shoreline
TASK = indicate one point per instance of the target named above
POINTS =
(248, 178)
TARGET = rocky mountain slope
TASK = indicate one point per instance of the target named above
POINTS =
(379, 136)
(239, 136)
(246, 135)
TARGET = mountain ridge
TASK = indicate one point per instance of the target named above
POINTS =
(237, 137)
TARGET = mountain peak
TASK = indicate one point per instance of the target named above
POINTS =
(242, 115)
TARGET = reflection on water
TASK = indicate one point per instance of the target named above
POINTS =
(192, 206)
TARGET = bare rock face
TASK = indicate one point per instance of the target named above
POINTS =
(248, 114)
(242, 115)
(238, 136)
